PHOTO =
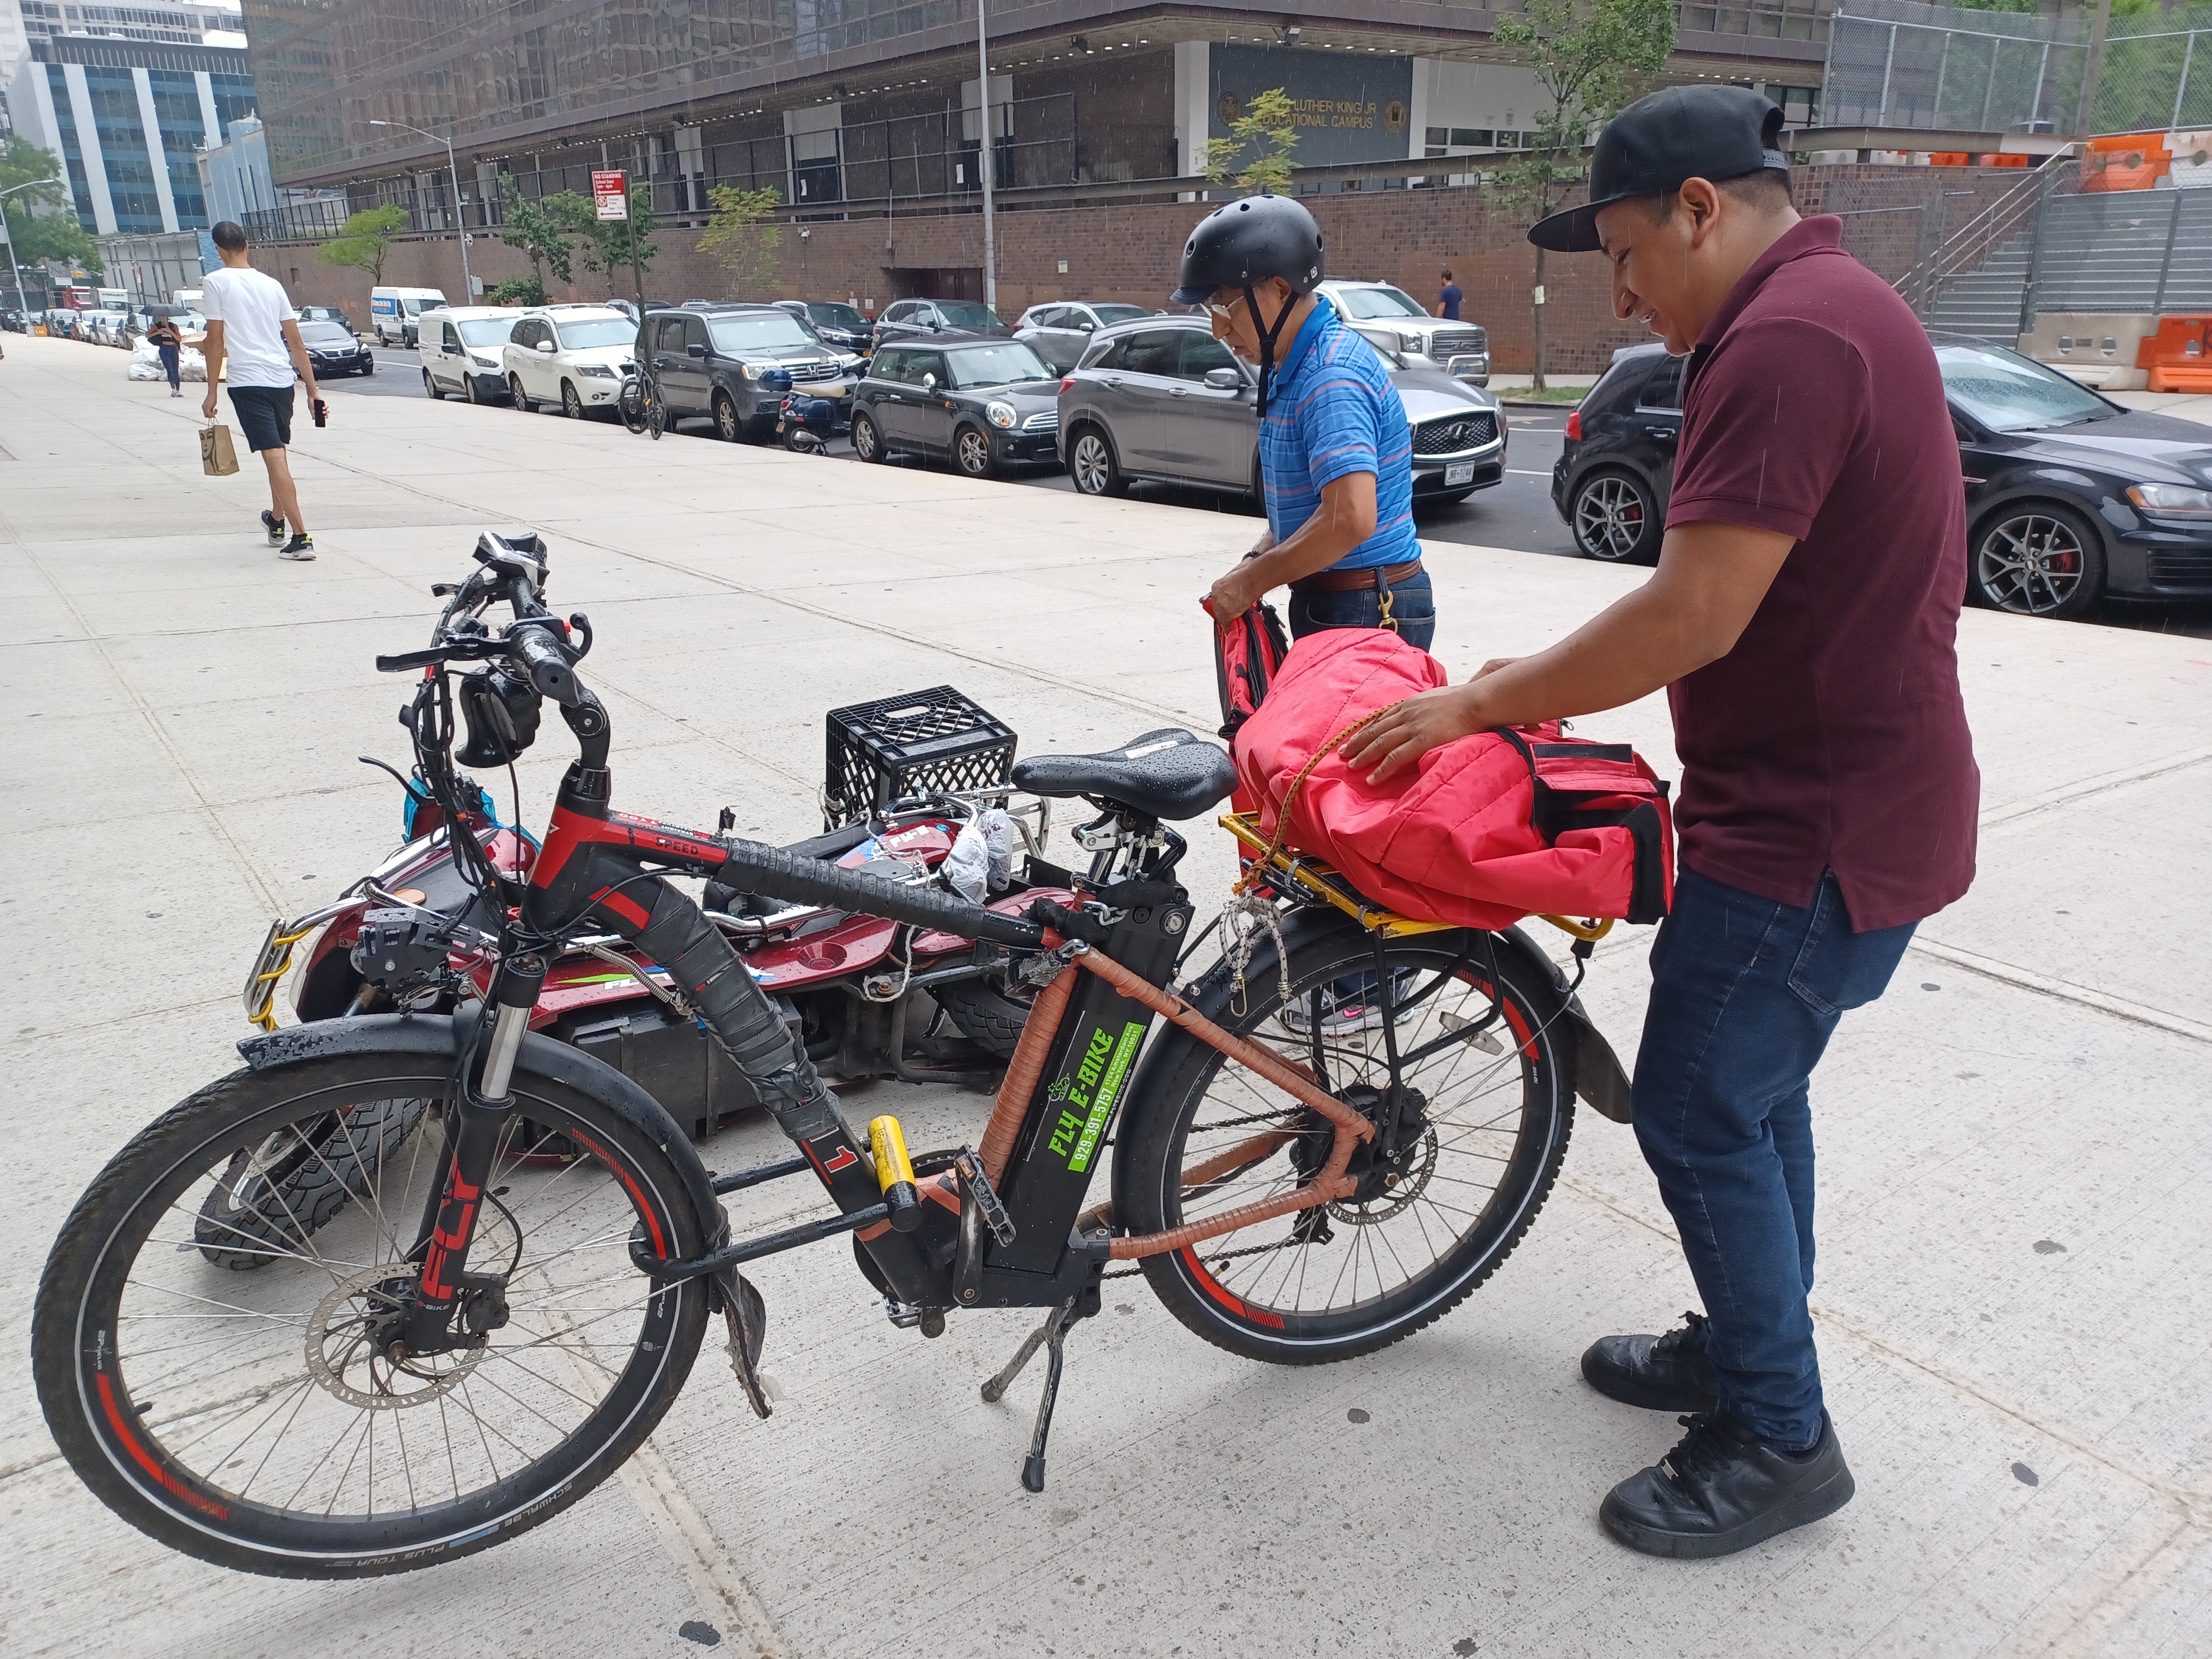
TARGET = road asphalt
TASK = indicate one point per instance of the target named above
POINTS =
(2016, 1141)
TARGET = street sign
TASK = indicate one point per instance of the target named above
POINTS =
(610, 192)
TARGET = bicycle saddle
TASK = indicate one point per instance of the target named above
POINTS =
(1167, 773)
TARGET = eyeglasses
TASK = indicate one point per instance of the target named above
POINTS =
(1225, 311)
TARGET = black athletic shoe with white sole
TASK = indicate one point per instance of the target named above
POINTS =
(1667, 1373)
(1724, 1489)
(274, 526)
(299, 548)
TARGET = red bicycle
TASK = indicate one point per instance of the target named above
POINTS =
(481, 1320)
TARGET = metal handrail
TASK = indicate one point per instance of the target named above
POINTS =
(1965, 249)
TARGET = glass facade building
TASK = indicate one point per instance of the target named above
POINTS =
(128, 120)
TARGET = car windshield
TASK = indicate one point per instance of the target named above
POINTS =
(1110, 314)
(967, 314)
(834, 316)
(2007, 393)
(1366, 302)
(1009, 364)
(416, 307)
(600, 332)
(758, 330)
(486, 330)
(325, 334)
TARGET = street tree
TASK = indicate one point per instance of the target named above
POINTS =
(605, 247)
(42, 221)
(1589, 58)
(537, 235)
(364, 243)
(1257, 152)
(741, 238)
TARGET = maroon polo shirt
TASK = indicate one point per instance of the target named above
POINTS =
(1833, 737)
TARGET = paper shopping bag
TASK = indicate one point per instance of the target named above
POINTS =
(218, 458)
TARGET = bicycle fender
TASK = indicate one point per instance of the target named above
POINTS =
(446, 1037)
(1600, 1083)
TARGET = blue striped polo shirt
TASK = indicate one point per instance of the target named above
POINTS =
(1332, 409)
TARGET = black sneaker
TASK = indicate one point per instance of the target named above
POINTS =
(275, 527)
(1724, 1489)
(1667, 1373)
(300, 547)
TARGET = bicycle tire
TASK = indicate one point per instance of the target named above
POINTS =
(1260, 1318)
(984, 1013)
(280, 1195)
(160, 1453)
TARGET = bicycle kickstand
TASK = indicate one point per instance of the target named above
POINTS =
(1052, 1336)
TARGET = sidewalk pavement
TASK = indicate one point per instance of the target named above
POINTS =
(2015, 1142)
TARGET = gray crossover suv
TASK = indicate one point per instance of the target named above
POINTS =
(1162, 400)
(1392, 318)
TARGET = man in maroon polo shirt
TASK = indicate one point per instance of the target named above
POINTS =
(1802, 620)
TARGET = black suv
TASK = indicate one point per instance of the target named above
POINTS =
(711, 360)
(927, 320)
(984, 402)
(846, 327)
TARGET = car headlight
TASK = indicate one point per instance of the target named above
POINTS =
(597, 371)
(475, 361)
(2172, 501)
(757, 371)
(999, 414)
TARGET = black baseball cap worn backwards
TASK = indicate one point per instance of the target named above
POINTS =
(1655, 144)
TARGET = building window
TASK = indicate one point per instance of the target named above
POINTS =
(1800, 105)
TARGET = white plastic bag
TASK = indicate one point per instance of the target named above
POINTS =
(191, 365)
(145, 362)
(999, 837)
(968, 866)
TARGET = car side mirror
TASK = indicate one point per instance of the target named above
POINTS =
(1224, 380)
(929, 383)
(694, 350)
(545, 346)
(1085, 325)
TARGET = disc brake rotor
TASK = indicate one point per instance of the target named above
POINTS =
(345, 1347)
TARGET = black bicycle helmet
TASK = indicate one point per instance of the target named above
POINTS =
(1241, 244)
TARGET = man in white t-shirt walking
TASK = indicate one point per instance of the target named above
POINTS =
(250, 323)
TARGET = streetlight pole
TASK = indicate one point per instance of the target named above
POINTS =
(984, 68)
(16, 270)
(468, 287)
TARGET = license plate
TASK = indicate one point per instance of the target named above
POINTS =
(1459, 472)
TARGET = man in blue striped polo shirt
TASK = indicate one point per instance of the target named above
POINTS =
(1336, 455)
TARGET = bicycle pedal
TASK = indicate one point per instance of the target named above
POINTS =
(746, 1315)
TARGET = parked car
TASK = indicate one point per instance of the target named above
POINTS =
(392, 312)
(107, 328)
(2069, 496)
(1059, 333)
(462, 348)
(334, 349)
(906, 319)
(711, 360)
(325, 314)
(845, 328)
(1162, 400)
(986, 404)
(1393, 319)
(13, 321)
(572, 355)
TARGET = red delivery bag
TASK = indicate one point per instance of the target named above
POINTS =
(1479, 832)
(1248, 653)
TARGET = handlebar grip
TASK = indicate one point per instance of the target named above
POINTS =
(753, 867)
(534, 651)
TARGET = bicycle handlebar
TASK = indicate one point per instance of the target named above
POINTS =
(754, 867)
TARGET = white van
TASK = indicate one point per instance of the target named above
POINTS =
(461, 348)
(392, 312)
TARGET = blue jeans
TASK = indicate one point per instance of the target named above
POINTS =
(1413, 607)
(1745, 993)
(169, 364)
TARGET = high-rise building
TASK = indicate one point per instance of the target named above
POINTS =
(128, 119)
(155, 22)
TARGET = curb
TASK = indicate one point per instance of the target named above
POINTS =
(1533, 403)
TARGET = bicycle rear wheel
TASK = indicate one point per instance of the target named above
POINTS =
(257, 1420)
(1479, 1136)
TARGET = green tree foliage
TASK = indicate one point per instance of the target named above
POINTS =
(366, 241)
(42, 220)
(739, 238)
(1257, 152)
(607, 247)
(1589, 58)
(537, 234)
(518, 291)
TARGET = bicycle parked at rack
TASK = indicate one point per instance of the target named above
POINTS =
(486, 1320)
(640, 403)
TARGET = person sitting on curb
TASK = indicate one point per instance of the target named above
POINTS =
(1803, 619)
(252, 325)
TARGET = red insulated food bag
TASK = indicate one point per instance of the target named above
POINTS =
(1481, 831)
(1248, 654)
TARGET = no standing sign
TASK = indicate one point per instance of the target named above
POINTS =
(611, 193)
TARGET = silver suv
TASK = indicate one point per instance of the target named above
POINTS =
(1161, 398)
(1394, 319)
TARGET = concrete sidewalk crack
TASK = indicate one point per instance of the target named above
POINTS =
(2027, 979)
(2027, 805)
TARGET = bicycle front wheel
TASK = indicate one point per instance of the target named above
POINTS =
(1474, 1127)
(264, 1420)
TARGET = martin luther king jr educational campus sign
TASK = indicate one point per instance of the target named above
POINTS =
(1347, 106)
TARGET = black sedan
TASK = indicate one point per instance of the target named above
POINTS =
(2069, 497)
(927, 320)
(985, 404)
(333, 350)
(846, 327)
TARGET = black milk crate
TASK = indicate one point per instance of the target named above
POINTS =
(886, 751)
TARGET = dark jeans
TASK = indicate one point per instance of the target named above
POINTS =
(1413, 607)
(169, 362)
(1745, 993)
